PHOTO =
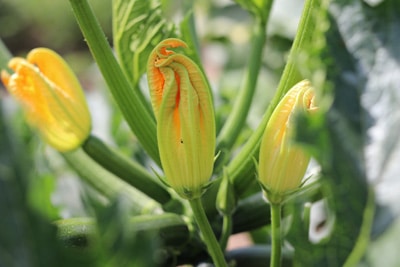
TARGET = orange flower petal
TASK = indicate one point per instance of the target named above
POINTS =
(183, 107)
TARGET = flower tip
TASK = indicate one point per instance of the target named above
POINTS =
(41, 54)
(162, 48)
(173, 43)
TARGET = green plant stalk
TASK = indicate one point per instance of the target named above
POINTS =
(189, 34)
(234, 123)
(208, 235)
(5, 55)
(81, 233)
(365, 231)
(108, 184)
(126, 168)
(276, 236)
(241, 168)
(128, 99)
(227, 226)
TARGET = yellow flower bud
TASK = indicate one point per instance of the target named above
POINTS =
(183, 107)
(283, 163)
(51, 96)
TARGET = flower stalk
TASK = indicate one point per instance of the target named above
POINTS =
(127, 169)
(276, 235)
(241, 107)
(108, 184)
(208, 235)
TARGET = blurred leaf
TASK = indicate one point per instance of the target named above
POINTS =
(384, 251)
(260, 8)
(138, 26)
(146, 240)
(371, 35)
(39, 197)
(362, 57)
(24, 235)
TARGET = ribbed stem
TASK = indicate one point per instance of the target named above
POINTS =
(276, 237)
(227, 226)
(135, 112)
(127, 169)
(208, 235)
(234, 123)
(108, 184)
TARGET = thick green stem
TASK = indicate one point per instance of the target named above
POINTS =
(276, 236)
(108, 184)
(365, 232)
(234, 123)
(227, 226)
(241, 169)
(208, 235)
(129, 101)
(127, 169)
(82, 233)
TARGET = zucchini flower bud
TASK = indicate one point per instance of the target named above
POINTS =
(51, 96)
(183, 107)
(282, 162)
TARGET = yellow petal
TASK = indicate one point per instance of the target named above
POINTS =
(183, 107)
(55, 69)
(282, 163)
(55, 104)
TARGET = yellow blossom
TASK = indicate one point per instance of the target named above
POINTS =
(182, 104)
(282, 162)
(51, 96)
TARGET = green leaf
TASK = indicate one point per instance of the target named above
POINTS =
(377, 55)
(138, 26)
(146, 240)
(355, 139)
(24, 234)
(39, 196)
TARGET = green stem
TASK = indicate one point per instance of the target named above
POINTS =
(365, 232)
(5, 55)
(127, 169)
(227, 226)
(128, 99)
(276, 236)
(241, 169)
(208, 235)
(108, 184)
(234, 123)
(81, 233)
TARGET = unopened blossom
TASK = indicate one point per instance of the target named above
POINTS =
(183, 107)
(282, 162)
(51, 96)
